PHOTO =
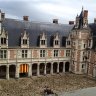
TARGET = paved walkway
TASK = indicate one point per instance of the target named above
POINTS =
(83, 92)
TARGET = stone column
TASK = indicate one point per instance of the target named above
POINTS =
(30, 70)
(58, 67)
(17, 71)
(38, 69)
(7, 72)
(45, 69)
(69, 67)
(64, 67)
(51, 68)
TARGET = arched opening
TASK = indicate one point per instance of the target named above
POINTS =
(3, 71)
(67, 65)
(42, 68)
(24, 68)
(48, 68)
(12, 70)
(34, 69)
(61, 67)
(55, 67)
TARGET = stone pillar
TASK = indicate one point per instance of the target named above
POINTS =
(38, 69)
(69, 67)
(51, 68)
(7, 72)
(64, 67)
(45, 69)
(58, 67)
(30, 70)
(17, 71)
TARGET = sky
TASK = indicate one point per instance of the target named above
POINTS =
(47, 10)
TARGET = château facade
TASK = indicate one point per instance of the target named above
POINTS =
(30, 48)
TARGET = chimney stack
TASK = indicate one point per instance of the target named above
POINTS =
(71, 22)
(55, 21)
(25, 18)
(86, 13)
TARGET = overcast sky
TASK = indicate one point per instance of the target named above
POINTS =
(46, 10)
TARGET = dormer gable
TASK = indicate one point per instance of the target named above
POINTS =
(56, 40)
(4, 38)
(43, 40)
(24, 39)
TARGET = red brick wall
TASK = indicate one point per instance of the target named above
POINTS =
(62, 53)
(35, 53)
(12, 54)
(49, 53)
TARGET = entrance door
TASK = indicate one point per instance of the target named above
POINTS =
(24, 70)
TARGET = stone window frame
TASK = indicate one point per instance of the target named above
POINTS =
(24, 53)
(56, 42)
(42, 53)
(3, 54)
(68, 42)
(68, 53)
(56, 53)
(42, 42)
(25, 41)
(3, 41)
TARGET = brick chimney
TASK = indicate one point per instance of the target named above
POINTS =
(55, 21)
(25, 18)
(71, 22)
(86, 13)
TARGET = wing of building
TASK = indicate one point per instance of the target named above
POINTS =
(29, 48)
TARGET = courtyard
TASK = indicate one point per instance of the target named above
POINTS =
(34, 86)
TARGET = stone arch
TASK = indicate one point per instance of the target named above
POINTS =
(42, 66)
(34, 69)
(55, 64)
(61, 67)
(24, 68)
(12, 70)
(48, 68)
(3, 71)
(67, 66)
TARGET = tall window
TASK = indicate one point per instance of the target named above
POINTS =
(24, 41)
(24, 53)
(42, 53)
(55, 53)
(68, 42)
(56, 42)
(84, 45)
(3, 54)
(42, 42)
(3, 40)
(67, 53)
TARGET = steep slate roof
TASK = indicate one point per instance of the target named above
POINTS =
(34, 29)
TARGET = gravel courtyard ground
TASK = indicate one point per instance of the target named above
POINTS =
(35, 85)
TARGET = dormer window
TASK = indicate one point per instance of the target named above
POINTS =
(56, 40)
(43, 40)
(24, 40)
(3, 40)
(68, 42)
